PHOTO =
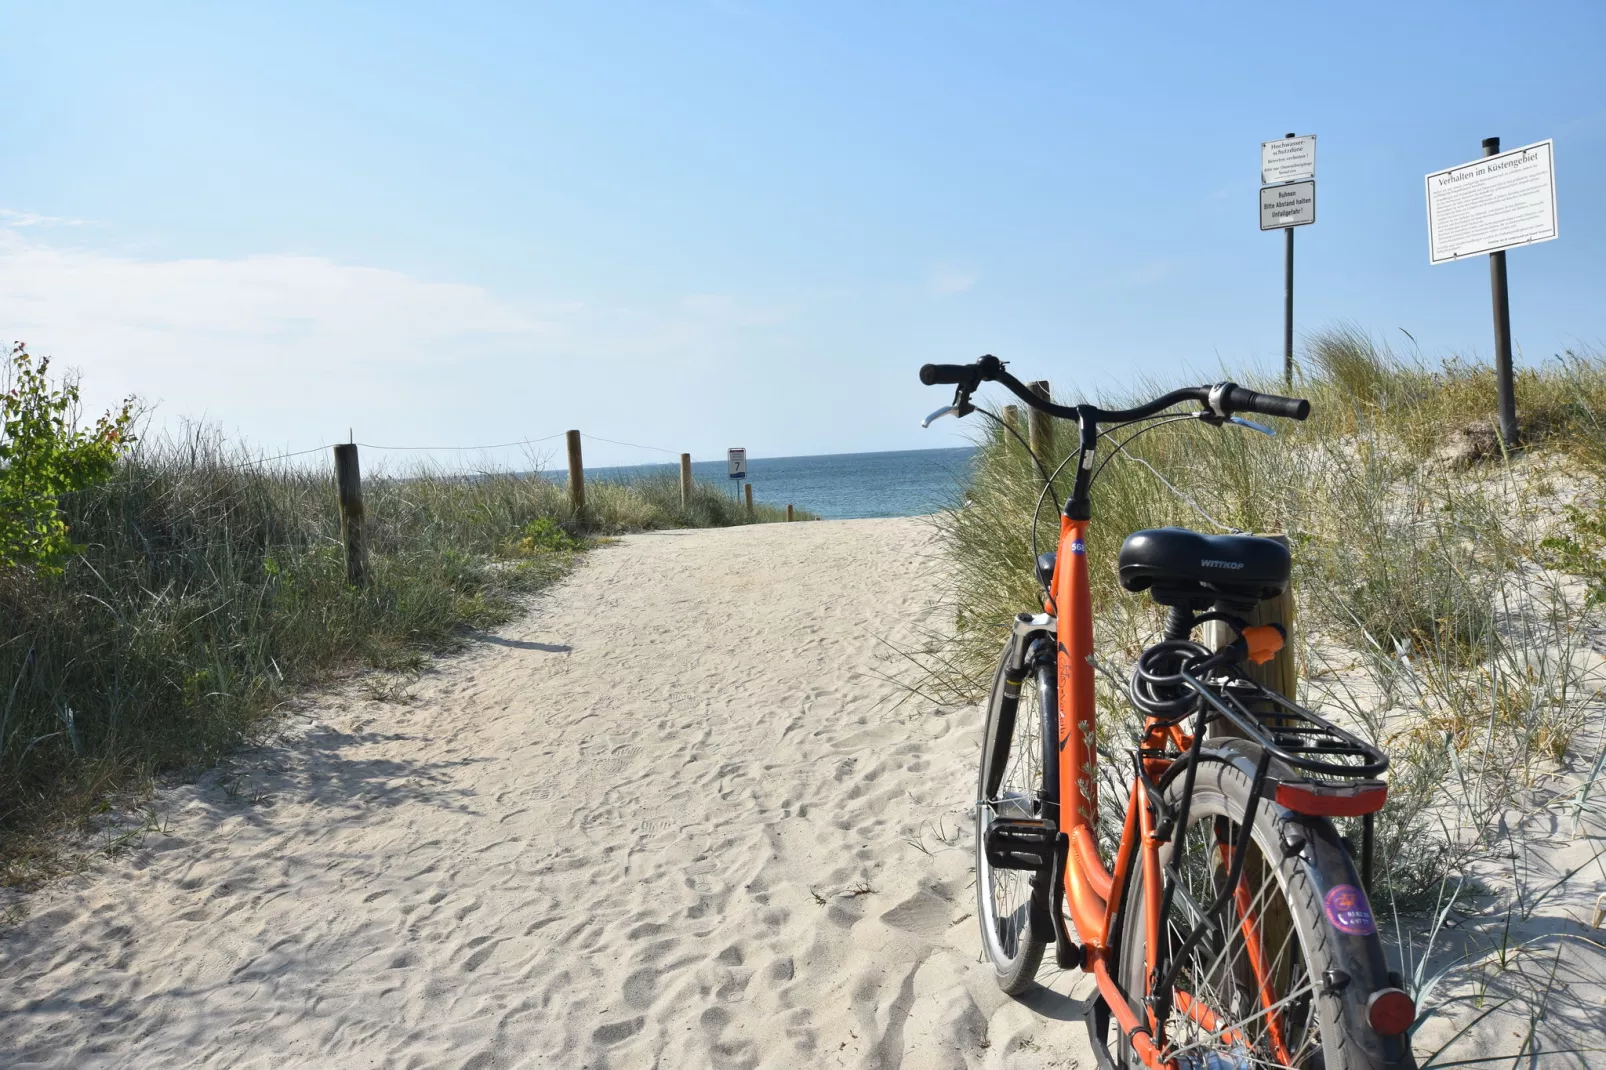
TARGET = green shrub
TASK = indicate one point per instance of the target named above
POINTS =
(43, 455)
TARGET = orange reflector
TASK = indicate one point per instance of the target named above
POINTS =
(1263, 640)
(1390, 1011)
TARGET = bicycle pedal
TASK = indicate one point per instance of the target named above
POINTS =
(1020, 843)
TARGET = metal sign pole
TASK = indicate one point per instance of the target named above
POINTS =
(1288, 305)
(1502, 331)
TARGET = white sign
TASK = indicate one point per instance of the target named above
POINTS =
(1491, 204)
(1293, 205)
(1287, 159)
(738, 463)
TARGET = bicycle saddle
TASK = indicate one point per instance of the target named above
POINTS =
(1182, 567)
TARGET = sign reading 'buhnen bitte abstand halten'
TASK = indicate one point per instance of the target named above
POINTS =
(1290, 205)
(1494, 203)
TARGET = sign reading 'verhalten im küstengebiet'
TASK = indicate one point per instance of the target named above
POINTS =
(1287, 159)
(737, 459)
(1494, 203)
(1291, 205)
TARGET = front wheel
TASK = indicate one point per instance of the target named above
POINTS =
(1283, 980)
(1018, 779)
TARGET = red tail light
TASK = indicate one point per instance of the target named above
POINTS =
(1390, 1011)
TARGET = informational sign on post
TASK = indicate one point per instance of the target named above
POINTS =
(1498, 202)
(1287, 159)
(737, 460)
(1288, 200)
(1290, 205)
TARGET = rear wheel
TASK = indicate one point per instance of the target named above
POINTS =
(1275, 985)
(1019, 773)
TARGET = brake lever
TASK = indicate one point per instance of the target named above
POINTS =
(1241, 422)
(939, 414)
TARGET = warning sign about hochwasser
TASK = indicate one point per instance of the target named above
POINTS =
(1291, 205)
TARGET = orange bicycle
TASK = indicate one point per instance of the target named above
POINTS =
(1233, 928)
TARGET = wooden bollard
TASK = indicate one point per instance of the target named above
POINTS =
(788, 512)
(747, 492)
(1275, 675)
(348, 485)
(1040, 425)
(1011, 420)
(685, 479)
(1278, 673)
(577, 475)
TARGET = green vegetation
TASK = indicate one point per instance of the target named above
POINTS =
(174, 598)
(43, 454)
(1435, 579)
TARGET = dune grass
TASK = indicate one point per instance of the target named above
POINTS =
(208, 590)
(1424, 592)
(1444, 607)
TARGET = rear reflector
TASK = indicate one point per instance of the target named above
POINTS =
(1333, 798)
(1390, 1011)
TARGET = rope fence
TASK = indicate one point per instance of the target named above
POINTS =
(349, 480)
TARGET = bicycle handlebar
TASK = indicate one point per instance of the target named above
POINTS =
(937, 374)
(1242, 399)
(1222, 399)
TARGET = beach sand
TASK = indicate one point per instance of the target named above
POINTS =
(674, 817)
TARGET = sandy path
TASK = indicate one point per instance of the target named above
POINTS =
(665, 820)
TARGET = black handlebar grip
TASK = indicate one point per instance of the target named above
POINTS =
(933, 374)
(1242, 399)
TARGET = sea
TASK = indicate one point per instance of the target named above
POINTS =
(836, 486)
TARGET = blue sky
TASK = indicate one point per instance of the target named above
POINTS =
(709, 224)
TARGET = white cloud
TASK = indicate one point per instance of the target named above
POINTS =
(949, 279)
(291, 350)
(11, 218)
(1156, 270)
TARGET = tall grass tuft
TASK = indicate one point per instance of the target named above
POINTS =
(208, 589)
(1447, 600)
(1426, 611)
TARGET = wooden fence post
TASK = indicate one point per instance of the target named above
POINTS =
(747, 491)
(1040, 425)
(348, 484)
(1275, 675)
(577, 475)
(1278, 673)
(1012, 421)
(789, 512)
(685, 479)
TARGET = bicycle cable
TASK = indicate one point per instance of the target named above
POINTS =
(1120, 448)
(1048, 482)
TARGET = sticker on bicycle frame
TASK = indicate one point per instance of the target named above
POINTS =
(1349, 911)
(1078, 546)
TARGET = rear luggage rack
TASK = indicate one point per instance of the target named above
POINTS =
(1335, 772)
(1298, 737)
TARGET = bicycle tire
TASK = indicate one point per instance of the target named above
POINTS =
(1296, 863)
(1010, 939)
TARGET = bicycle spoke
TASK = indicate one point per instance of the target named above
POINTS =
(1242, 991)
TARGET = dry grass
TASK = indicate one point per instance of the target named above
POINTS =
(209, 590)
(1433, 609)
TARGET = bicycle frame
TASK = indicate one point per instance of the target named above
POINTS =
(1092, 892)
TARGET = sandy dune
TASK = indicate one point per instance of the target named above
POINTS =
(672, 818)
